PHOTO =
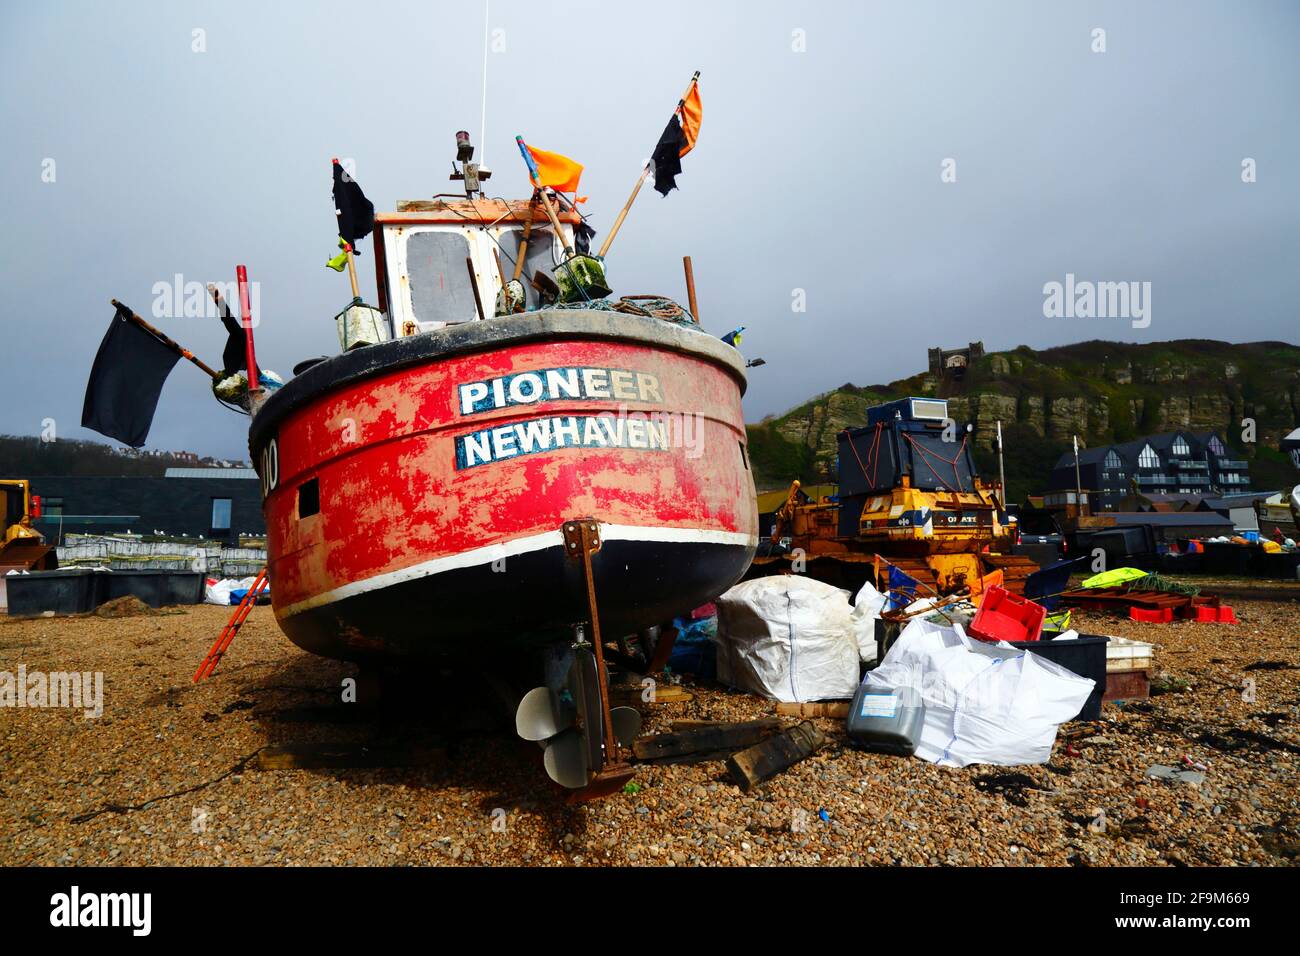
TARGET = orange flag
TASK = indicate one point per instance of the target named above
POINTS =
(556, 171)
(692, 112)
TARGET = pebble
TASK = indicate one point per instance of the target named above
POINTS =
(153, 741)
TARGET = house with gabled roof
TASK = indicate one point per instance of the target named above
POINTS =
(1180, 463)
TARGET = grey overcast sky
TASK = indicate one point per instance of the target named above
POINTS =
(826, 127)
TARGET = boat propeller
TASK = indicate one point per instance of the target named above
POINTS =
(555, 720)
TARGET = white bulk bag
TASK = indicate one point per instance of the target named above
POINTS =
(866, 611)
(788, 638)
(984, 703)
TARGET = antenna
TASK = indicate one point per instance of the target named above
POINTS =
(487, 29)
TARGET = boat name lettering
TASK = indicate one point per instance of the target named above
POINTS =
(557, 384)
(634, 431)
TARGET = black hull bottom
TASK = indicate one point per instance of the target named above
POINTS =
(531, 600)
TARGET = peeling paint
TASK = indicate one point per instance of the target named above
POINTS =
(383, 452)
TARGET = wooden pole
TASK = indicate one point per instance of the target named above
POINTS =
(534, 176)
(178, 349)
(473, 284)
(1002, 470)
(618, 223)
(555, 222)
(352, 271)
(523, 244)
(690, 288)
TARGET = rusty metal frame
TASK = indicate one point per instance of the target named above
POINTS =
(581, 541)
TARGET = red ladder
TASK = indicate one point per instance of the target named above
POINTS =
(222, 644)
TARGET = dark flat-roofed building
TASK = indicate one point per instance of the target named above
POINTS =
(1180, 463)
(215, 503)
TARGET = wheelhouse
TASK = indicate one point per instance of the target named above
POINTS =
(421, 253)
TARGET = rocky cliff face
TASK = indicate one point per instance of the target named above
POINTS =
(1100, 391)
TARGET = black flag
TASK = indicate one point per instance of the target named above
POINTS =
(678, 139)
(356, 213)
(125, 381)
(667, 157)
(235, 355)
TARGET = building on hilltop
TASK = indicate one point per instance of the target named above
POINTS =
(952, 363)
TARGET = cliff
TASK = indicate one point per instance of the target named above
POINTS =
(1101, 391)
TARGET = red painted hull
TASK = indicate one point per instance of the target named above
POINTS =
(443, 466)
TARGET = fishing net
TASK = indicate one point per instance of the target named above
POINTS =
(650, 306)
(1157, 582)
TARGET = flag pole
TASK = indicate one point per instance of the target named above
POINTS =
(156, 333)
(618, 223)
(246, 319)
(640, 180)
(352, 271)
(546, 200)
(1002, 470)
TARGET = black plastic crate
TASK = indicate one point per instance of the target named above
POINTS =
(155, 588)
(63, 592)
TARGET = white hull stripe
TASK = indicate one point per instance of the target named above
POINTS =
(510, 549)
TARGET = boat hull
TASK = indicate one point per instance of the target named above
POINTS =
(414, 491)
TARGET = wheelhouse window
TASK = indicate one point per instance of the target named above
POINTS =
(440, 284)
(539, 258)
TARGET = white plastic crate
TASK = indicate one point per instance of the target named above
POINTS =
(1123, 654)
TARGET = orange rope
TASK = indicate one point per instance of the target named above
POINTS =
(953, 462)
(872, 455)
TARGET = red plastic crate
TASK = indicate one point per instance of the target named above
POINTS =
(1159, 616)
(1004, 616)
(1226, 615)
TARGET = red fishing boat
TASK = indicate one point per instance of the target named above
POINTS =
(468, 486)
(415, 489)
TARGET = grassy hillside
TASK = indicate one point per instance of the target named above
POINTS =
(1101, 391)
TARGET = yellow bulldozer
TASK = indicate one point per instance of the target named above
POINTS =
(22, 547)
(909, 498)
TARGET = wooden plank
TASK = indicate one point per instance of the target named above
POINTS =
(665, 693)
(311, 756)
(701, 739)
(834, 709)
(763, 761)
(706, 756)
(466, 211)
